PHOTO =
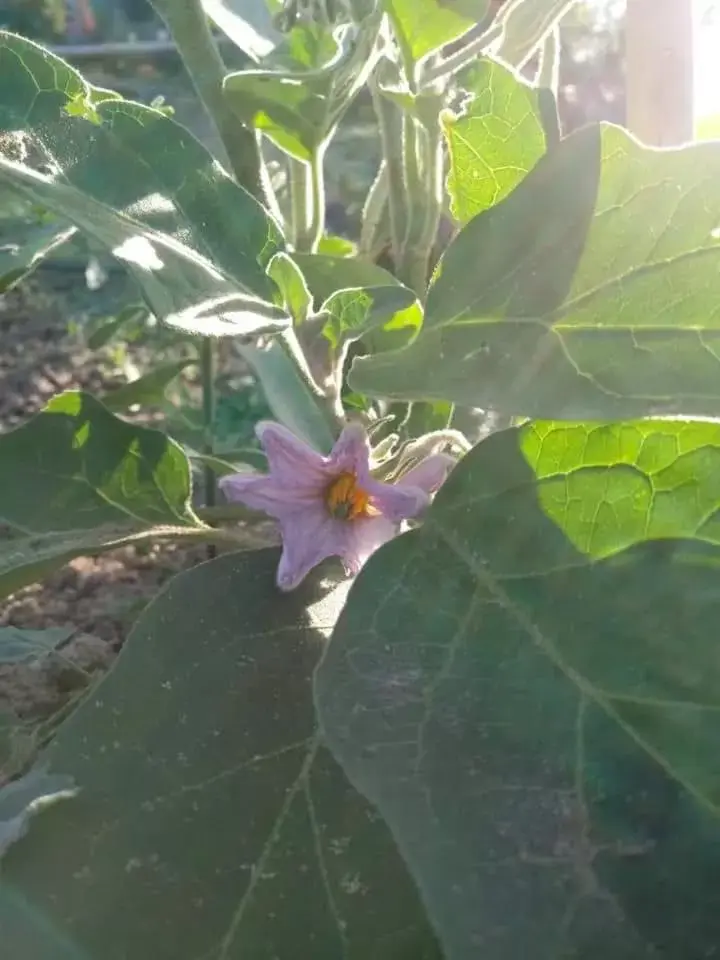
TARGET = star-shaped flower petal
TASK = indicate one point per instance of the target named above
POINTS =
(331, 506)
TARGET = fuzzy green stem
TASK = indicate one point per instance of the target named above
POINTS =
(411, 175)
(448, 66)
(298, 188)
(434, 180)
(316, 220)
(422, 154)
(307, 201)
(188, 25)
(390, 127)
(372, 217)
(548, 74)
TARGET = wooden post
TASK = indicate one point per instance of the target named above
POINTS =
(659, 65)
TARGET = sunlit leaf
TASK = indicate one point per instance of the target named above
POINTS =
(494, 142)
(291, 285)
(590, 291)
(352, 314)
(422, 26)
(76, 480)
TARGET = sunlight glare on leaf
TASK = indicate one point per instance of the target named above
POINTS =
(140, 252)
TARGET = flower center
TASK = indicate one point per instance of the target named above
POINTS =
(345, 499)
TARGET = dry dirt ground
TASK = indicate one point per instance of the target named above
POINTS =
(97, 598)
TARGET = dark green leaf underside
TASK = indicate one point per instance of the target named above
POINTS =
(220, 810)
(539, 727)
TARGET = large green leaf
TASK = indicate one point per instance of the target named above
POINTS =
(589, 292)
(211, 821)
(422, 26)
(142, 186)
(494, 142)
(528, 689)
(526, 24)
(300, 99)
(76, 479)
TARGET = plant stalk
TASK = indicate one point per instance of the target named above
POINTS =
(207, 377)
(307, 202)
(188, 25)
(448, 66)
(434, 178)
(548, 74)
(316, 191)
(373, 212)
(298, 189)
(390, 127)
(411, 176)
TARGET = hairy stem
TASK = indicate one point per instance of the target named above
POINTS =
(390, 126)
(548, 74)
(476, 45)
(424, 173)
(434, 179)
(298, 188)
(407, 266)
(316, 191)
(372, 218)
(188, 25)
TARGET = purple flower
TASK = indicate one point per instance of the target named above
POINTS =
(331, 506)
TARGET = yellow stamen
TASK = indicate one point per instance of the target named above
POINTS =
(347, 501)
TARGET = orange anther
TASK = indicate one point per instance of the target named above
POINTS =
(345, 500)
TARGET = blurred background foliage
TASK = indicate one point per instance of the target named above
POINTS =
(591, 76)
